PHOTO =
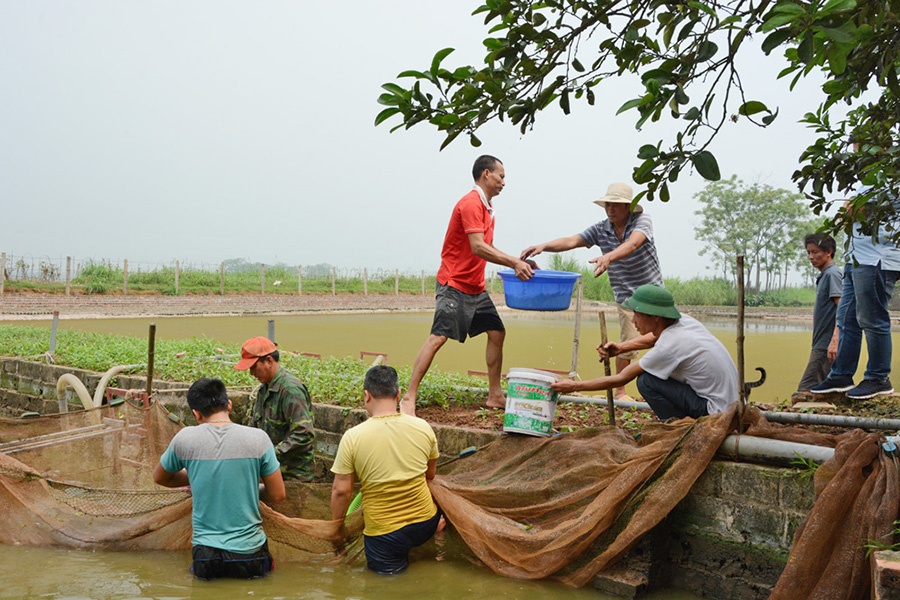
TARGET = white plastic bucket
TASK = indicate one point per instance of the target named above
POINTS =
(530, 405)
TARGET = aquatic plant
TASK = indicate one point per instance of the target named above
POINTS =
(331, 380)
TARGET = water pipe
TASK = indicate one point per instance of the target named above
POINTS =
(772, 417)
(66, 380)
(104, 381)
(769, 451)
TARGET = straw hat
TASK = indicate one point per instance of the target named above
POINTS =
(620, 193)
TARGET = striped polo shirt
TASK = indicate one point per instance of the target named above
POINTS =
(629, 273)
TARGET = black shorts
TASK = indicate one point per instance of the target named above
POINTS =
(213, 563)
(388, 554)
(457, 314)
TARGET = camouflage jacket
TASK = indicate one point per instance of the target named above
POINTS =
(283, 409)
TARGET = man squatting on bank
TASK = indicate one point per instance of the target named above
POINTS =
(392, 455)
(223, 463)
(687, 371)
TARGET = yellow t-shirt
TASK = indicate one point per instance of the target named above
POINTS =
(389, 456)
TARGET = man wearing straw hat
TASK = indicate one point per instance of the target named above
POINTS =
(629, 256)
(687, 372)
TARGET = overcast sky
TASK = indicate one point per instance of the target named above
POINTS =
(209, 130)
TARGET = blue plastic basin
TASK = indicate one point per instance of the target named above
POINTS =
(547, 290)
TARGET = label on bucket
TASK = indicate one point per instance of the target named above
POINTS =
(530, 405)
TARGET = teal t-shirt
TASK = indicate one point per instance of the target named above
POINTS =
(224, 465)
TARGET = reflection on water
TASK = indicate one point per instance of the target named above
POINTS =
(68, 575)
(534, 340)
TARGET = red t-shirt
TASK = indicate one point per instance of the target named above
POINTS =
(459, 267)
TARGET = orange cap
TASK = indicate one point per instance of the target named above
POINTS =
(254, 349)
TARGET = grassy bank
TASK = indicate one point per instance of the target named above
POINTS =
(330, 380)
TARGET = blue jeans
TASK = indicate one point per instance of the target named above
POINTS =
(669, 398)
(864, 308)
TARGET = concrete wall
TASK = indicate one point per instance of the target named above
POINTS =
(728, 538)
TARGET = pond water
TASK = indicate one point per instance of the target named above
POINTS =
(57, 574)
(534, 340)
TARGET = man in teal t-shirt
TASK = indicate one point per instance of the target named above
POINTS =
(223, 463)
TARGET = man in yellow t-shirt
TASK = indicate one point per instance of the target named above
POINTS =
(392, 455)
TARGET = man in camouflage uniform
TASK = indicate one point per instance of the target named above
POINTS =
(282, 408)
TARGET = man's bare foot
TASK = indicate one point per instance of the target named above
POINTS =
(496, 402)
(408, 406)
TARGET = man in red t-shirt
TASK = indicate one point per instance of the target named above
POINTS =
(462, 306)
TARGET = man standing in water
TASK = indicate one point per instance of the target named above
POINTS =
(282, 408)
(223, 463)
(392, 455)
(463, 308)
(629, 255)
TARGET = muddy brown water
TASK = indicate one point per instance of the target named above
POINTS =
(534, 340)
(437, 572)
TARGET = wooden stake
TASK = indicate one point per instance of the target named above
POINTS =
(151, 351)
(611, 407)
(740, 338)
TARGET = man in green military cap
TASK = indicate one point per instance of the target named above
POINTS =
(282, 408)
(686, 373)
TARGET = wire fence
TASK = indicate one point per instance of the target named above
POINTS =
(68, 275)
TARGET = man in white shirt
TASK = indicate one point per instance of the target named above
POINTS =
(687, 372)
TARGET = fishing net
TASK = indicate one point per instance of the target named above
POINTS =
(569, 506)
(84, 480)
(565, 507)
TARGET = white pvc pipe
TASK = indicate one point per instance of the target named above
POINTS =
(748, 447)
(66, 380)
(104, 381)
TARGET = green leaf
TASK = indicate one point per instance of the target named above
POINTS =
(704, 8)
(841, 35)
(385, 114)
(438, 58)
(576, 64)
(838, 5)
(752, 107)
(474, 140)
(647, 151)
(629, 105)
(564, 101)
(767, 120)
(416, 74)
(706, 165)
(706, 50)
(775, 39)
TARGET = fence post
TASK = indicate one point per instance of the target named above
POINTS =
(299, 280)
(333, 277)
(271, 330)
(177, 273)
(125, 278)
(365, 281)
(68, 273)
(2, 271)
(262, 280)
(53, 329)
(222, 278)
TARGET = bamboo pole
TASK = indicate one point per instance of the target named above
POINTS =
(740, 338)
(577, 341)
(610, 402)
(151, 351)
(68, 273)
